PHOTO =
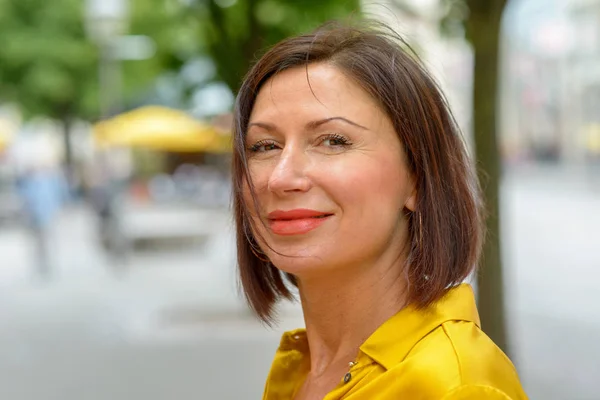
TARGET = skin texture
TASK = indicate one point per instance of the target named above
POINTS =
(352, 168)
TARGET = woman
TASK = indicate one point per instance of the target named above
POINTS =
(353, 184)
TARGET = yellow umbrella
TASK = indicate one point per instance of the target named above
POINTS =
(157, 128)
(6, 133)
(222, 143)
(4, 140)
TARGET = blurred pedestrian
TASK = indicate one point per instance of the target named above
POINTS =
(108, 180)
(44, 192)
(353, 184)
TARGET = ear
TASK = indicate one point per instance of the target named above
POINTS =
(411, 201)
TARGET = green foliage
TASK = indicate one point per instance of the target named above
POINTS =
(455, 14)
(174, 34)
(48, 66)
(235, 34)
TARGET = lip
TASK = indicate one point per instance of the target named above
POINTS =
(298, 213)
(296, 222)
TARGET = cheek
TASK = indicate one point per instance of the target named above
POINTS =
(369, 186)
(259, 174)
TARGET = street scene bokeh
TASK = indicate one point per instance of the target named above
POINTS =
(118, 264)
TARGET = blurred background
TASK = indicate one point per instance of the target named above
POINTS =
(117, 259)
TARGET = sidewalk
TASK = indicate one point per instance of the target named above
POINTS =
(181, 286)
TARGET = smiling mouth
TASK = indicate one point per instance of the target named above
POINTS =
(299, 225)
(295, 219)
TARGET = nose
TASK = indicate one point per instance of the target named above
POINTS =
(289, 174)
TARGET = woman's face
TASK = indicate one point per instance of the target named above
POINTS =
(329, 173)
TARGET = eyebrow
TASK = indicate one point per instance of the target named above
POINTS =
(310, 126)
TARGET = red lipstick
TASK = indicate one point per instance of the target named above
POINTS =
(296, 222)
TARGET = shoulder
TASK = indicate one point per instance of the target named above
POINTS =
(458, 361)
(476, 392)
(479, 360)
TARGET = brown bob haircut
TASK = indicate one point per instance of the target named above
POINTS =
(446, 230)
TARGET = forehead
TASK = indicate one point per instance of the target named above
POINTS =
(320, 88)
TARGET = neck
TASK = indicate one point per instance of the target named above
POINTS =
(342, 311)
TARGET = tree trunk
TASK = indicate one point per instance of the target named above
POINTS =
(66, 125)
(69, 165)
(233, 56)
(483, 31)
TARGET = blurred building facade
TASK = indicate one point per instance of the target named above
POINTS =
(550, 91)
(584, 76)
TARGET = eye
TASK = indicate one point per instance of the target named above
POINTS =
(335, 140)
(263, 146)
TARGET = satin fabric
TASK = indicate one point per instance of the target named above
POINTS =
(435, 354)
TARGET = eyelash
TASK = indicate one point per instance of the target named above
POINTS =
(343, 142)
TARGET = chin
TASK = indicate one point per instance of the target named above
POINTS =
(299, 265)
(313, 255)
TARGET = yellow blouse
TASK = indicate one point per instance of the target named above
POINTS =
(434, 354)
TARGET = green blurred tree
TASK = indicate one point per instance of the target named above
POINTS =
(48, 67)
(235, 31)
(479, 21)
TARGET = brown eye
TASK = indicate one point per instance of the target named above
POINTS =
(263, 146)
(335, 140)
